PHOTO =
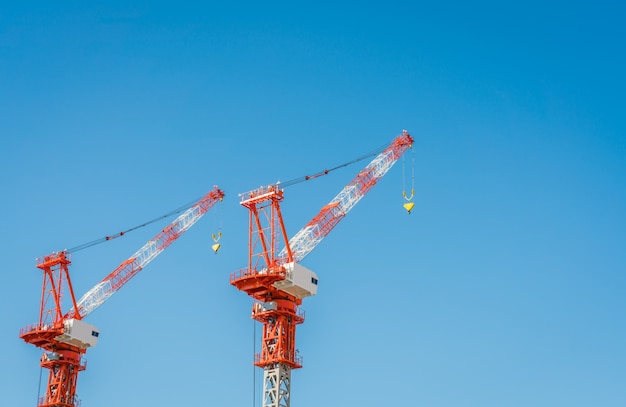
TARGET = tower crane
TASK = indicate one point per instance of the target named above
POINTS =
(278, 282)
(64, 336)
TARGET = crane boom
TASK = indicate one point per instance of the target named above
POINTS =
(303, 242)
(102, 291)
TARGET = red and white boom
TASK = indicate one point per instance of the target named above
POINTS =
(303, 242)
(128, 269)
(65, 337)
(278, 282)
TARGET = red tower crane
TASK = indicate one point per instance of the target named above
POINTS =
(276, 280)
(65, 337)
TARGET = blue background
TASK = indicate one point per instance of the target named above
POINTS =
(504, 287)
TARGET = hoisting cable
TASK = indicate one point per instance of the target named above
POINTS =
(409, 204)
(39, 386)
(216, 237)
(111, 237)
(324, 172)
(253, 366)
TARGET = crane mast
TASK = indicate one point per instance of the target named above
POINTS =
(276, 280)
(65, 337)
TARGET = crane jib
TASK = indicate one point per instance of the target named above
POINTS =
(102, 291)
(305, 240)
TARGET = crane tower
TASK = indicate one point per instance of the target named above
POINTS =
(65, 337)
(278, 282)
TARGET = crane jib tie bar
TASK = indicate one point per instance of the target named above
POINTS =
(325, 172)
(282, 184)
(111, 237)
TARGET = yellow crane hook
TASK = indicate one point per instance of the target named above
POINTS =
(409, 205)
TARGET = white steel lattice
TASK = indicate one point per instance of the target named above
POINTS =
(277, 386)
(102, 291)
(303, 242)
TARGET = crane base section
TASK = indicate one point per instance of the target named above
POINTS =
(78, 333)
(299, 281)
(277, 386)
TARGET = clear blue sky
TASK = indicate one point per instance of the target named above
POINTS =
(504, 287)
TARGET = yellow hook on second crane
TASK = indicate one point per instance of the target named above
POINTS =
(409, 205)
